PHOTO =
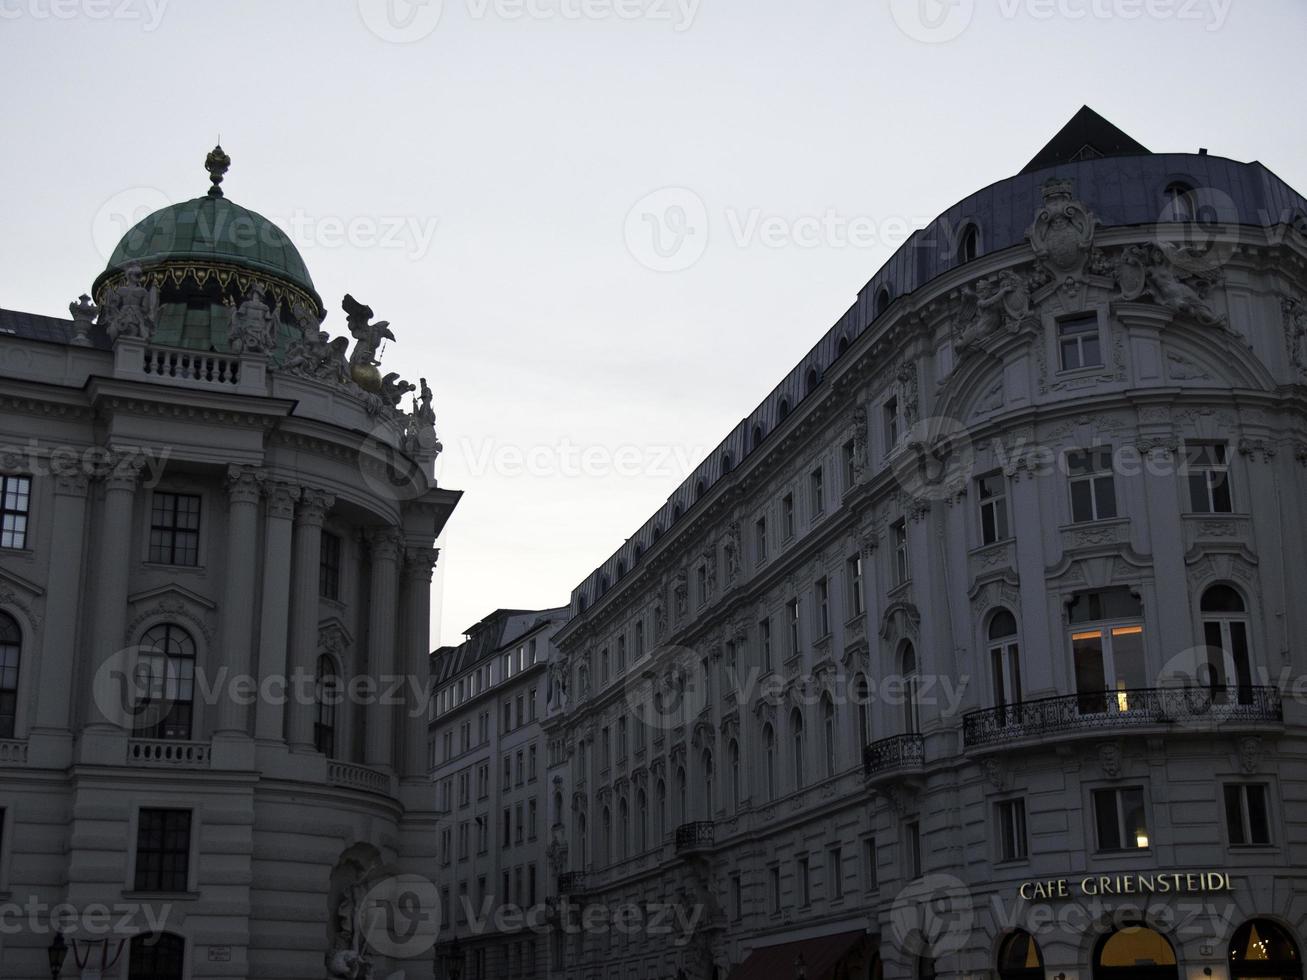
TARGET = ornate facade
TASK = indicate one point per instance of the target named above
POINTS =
(214, 616)
(975, 649)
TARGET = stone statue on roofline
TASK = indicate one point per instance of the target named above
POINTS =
(130, 308)
(368, 336)
(253, 326)
(393, 389)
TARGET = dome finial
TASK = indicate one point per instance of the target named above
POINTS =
(217, 163)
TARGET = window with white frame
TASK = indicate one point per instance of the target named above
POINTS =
(902, 571)
(1207, 471)
(1092, 483)
(1010, 816)
(1247, 818)
(991, 493)
(15, 504)
(1107, 649)
(1119, 819)
(1078, 343)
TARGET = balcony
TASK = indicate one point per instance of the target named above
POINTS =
(896, 754)
(13, 752)
(692, 838)
(1198, 708)
(571, 883)
(363, 778)
(167, 754)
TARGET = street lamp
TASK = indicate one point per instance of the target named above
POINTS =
(57, 953)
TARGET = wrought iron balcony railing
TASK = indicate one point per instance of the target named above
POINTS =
(894, 753)
(1144, 707)
(697, 836)
(571, 882)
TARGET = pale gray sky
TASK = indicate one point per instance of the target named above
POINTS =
(471, 178)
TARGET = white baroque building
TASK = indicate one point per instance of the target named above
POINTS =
(978, 642)
(214, 613)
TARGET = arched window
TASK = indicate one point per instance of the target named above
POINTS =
(603, 584)
(707, 784)
(911, 690)
(623, 828)
(677, 511)
(842, 346)
(733, 754)
(785, 407)
(682, 792)
(811, 381)
(727, 463)
(1005, 665)
(167, 674)
(1261, 948)
(658, 531)
(641, 820)
(1134, 952)
(1178, 202)
(11, 648)
(1225, 634)
(796, 734)
(580, 602)
(1019, 957)
(699, 489)
(769, 747)
(828, 732)
(157, 956)
(621, 570)
(969, 243)
(882, 301)
(758, 434)
(605, 836)
(639, 551)
(326, 698)
(862, 695)
(558, 807)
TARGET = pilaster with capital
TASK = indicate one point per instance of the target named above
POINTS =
(113, 554)
(309, 517)
(384, 545)
(280, 498)
(244, 488)
(419, 564)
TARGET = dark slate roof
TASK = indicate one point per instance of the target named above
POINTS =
(501, 629)
(1087, 136)
(50, 329)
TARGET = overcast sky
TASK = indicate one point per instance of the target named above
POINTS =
(489, 176)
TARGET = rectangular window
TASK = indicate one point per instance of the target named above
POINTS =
(621, 653)
(823, 607)
(835, 873)
(1120, 820)
(508, 773)
(737, 897)
(163, 850)
(621, 739)
(856, 604)
(1093, 487)
(764, 644)
(701, 584)
(1077, 343)
(1107, 646)
(992, 494)
(175, 529)
(531, 819)
(521, 767)
(890, 416)
(776, 890)
(787, 516)
(1011, 830)
(508, 827)
(531, 761)
(870, 872)
(912, 848)
(792, 615)
(603, 749)
(521, 824)
(603, 666)
(902, 572)
(760, 539)
(1246, 815)
(817, 489)
(1208, 473)
(849, 455)
(639, 639)
(329, 566)
(15, 503)
(803, 882)
(462, 841)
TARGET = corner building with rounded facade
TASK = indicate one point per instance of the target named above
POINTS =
(996, 606)
(198, 489)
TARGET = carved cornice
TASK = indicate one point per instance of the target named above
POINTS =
(384, 542)
(244, 484)
(420, 563)
(281, 497)
(313, 507)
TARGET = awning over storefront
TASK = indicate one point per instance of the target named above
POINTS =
(822, 956)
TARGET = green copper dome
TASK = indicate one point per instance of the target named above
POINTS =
(212, 229)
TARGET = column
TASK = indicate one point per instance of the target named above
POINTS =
(312, 511)
(109, 617)
(385, 544)
(269, 722)
(58, 644)
(243, 490)
(419, 563)
(1041, 641)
